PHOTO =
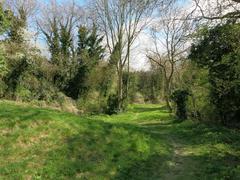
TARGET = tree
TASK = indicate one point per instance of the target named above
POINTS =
(121, 21)
(170, 36)
(22, 11)
(58, 23)
(4, 20)
(18, 6)
(4, 25)
(19, 24)
(3, 64)
(148, 85)
(218, 51)
(89, 52)
(220, 10)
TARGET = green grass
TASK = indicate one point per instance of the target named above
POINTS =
(143, 143)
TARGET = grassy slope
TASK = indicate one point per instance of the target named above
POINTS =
(144, 143)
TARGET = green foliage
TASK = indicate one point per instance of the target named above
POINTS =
(4, 25)
(180, 97)
(60, 43)
(104, 76)
(24, 73)
(32, 78)
(219, 52)
(90, 41)
(196, 80)
(13, 78)
(130, 82)
(93, 103)
(29, 76)
(65, 43)
(90, 52)
(144, 86)
(4, 20)
(3, 64)
(18, 24)
(53, 43)
(112, 104)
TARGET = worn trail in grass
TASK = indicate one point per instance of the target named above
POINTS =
(143, 143)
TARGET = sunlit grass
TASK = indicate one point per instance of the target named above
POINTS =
(144, 143)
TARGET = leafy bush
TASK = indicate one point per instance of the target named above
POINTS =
(218, 51)
(3, 64)
(196, 80)
(3, 88)
(180, 97)
(93, 103)
(112, 104)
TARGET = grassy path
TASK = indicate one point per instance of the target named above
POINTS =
(143, 143)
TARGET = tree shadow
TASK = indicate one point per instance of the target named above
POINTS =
(107, 151)
(163, 109)
(144, 150)
(187, 167)
(103, 150)
(151, 168)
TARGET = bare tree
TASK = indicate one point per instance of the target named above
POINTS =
(29, 7)
(219, 10)
(121, 21)
(170, 37)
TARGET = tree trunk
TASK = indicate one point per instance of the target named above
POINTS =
(196, 112)
(167, 95)
(128, 73)
(120, 89)
(167, 92)
(120, 73)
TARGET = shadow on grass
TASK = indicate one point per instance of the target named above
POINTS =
(113, 150)
(187, 167)
(13, 113)
(150, 109)
(104, 151)
(126, 151)
(151, 168)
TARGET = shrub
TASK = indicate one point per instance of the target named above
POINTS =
(180, 98)
(92, 103)
(3, 88)
(112, 104)
(218, 51)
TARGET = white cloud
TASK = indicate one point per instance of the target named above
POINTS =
(138, 54)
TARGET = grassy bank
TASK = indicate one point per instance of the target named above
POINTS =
(143, 143)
